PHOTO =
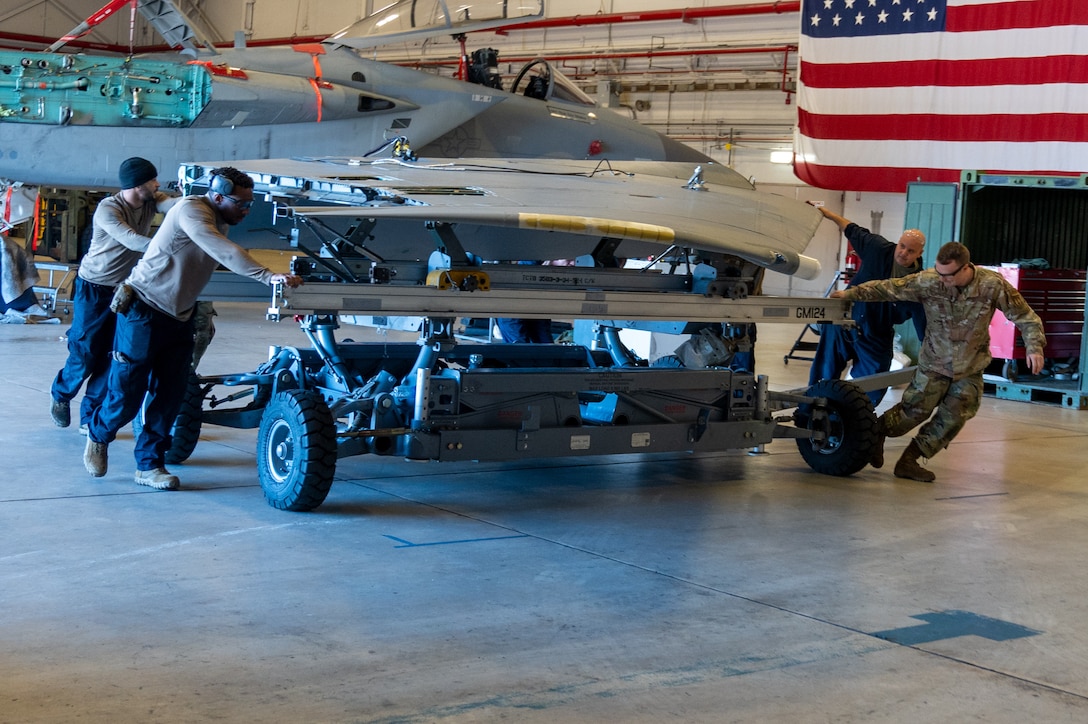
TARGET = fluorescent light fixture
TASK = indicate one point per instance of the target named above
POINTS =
(781, 156)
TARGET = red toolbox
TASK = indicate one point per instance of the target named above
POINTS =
(1057, 296)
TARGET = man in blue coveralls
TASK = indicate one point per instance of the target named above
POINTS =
(868, 344)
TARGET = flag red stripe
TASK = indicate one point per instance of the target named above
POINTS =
(1019, 15)
(887, 179)
(925, 126)
(949, 73)
(892, 179)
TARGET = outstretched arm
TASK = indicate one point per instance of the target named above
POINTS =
(841, 221)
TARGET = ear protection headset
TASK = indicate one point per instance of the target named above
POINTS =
(222, 185)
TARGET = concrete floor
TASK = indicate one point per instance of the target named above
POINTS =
(715, 588)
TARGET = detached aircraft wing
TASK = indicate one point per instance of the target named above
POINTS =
(550, 209)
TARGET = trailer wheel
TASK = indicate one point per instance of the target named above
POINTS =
(296, 450)
(850, 428)
(186, 430)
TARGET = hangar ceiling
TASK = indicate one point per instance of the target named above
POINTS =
(720, 77)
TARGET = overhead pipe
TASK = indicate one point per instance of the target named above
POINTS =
(651, 16)
(784, 69)
(19, 41)
(786, 76)
(649, 54)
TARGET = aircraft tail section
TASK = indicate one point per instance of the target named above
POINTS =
(61, 90)
(174, 26)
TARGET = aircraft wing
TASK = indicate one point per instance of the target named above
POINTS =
(661, 204)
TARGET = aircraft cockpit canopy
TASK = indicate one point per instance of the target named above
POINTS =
(406, 18)
(539, 79)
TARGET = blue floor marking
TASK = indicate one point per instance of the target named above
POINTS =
(953, 624)
(409, 544)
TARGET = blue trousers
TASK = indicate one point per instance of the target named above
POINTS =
(21, 303)
(90, 341)
(152, 353)
(838, 346)
(525, 330)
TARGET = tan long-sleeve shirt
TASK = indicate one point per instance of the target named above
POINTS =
(121, 234)
(183, 254)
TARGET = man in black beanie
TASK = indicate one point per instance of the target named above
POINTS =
(154, 344)
(136, 172)
(122, 224)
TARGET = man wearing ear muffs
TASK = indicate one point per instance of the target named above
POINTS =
(153, 345)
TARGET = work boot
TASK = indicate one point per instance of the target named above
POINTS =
(159, 478)
(61, 413)
(908, 466)
(877, 458)
(95, 458)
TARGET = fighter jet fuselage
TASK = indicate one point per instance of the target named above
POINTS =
(69, 120)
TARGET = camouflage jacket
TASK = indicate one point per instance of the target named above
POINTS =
(957, 341)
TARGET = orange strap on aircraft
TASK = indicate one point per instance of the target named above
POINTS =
(317, 84)
(317, 93)
(221, 69)
(315, 50)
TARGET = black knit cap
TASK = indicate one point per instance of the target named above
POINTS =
(135, 172)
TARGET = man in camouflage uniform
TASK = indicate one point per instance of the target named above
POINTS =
(959, 300)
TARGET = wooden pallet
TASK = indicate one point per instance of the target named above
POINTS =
(1055, 392)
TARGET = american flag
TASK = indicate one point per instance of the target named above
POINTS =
(893, 91)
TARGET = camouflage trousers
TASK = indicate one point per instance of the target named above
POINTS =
(203, 329)
(955, 402)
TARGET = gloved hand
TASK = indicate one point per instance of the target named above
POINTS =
(122, 298)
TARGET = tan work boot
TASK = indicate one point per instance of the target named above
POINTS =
(908, 466)
(159, 478)
(95, 457)
(877, 458)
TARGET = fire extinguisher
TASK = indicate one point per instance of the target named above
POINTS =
(851, 264)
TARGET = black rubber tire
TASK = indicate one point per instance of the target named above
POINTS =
(186, 430)
(852, 430)
(296, 450)
(669, 361)
(1010, 370)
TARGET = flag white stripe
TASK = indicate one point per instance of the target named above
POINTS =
(1022, 100)
(1051, 156)
(982, 45)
